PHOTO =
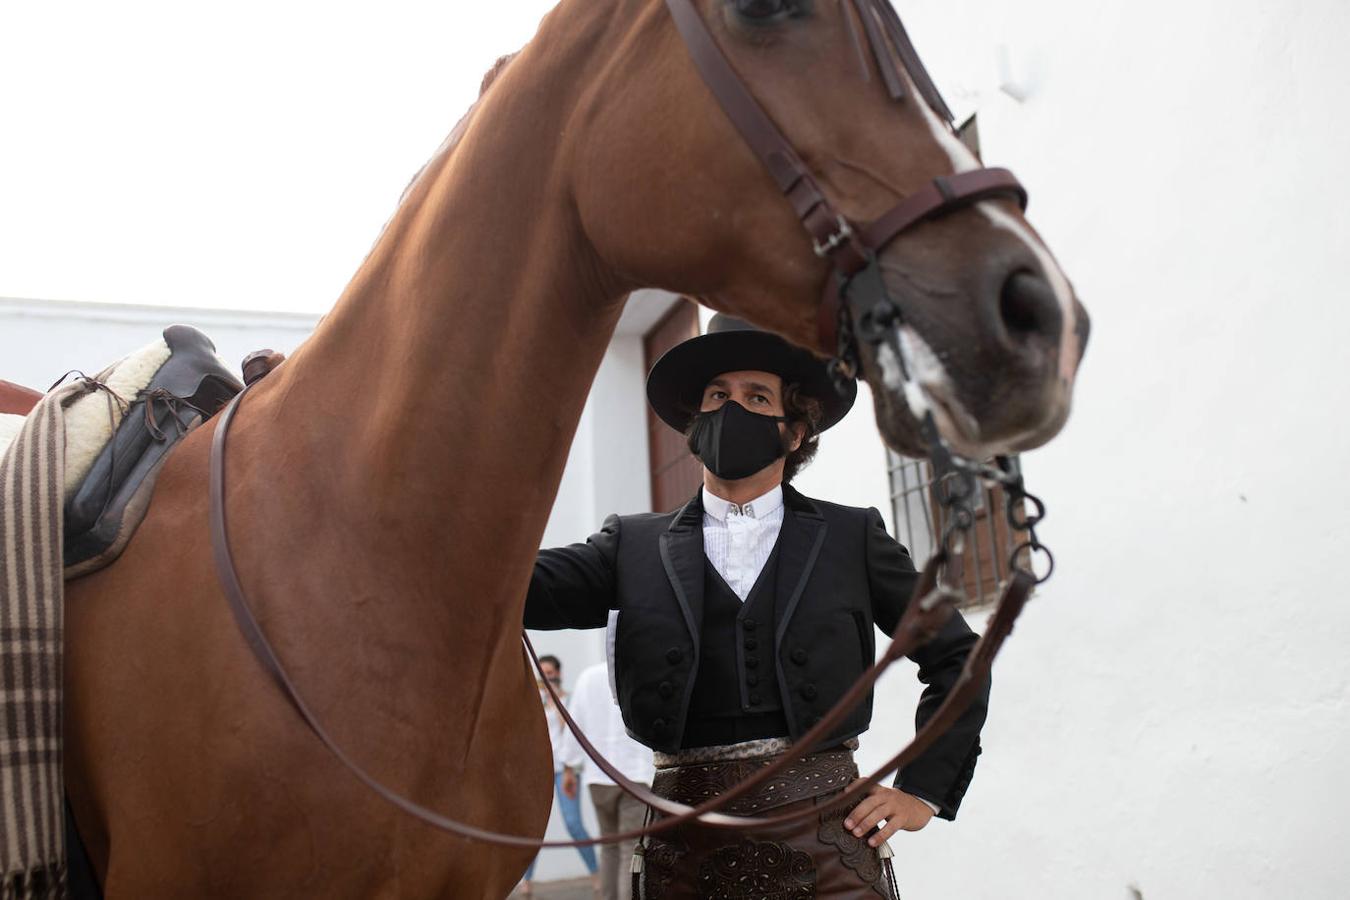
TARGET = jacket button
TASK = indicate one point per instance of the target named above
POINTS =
(752, 680)
(808, 692)
(666, 689)
(749, 624)
(752, 662)
(799, 656)
(674, 655)
(754, 699)
(751, 644)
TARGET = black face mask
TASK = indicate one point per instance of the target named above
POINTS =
(734, 442)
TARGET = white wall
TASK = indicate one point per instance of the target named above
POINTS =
(607, 472)
(40, 340)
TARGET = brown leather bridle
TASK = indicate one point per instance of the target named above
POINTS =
(854, 298)
(854, 284)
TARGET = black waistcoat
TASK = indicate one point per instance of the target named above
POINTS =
(735, 696)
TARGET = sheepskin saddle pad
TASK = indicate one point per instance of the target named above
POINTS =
(120, 428)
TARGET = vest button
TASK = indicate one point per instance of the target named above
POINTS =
(751, 644)
(754, 699)
(674, 655)
(752, 680)
(808, 692)
(666, 689)
(660, 727)
(799, 656)
(749, 624)
(752, 662)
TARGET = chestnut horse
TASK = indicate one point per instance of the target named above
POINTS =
(390, 482)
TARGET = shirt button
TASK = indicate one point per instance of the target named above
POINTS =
(674, 655)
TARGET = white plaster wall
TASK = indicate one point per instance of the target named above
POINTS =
(40, 340)
(607, 472)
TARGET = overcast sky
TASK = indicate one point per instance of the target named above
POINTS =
(240, 154)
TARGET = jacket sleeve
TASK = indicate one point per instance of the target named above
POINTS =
(943, 772)
(574, 586)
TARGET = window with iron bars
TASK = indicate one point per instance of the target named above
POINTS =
(919, 523)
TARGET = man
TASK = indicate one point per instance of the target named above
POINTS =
(743, 617)
(596, 713)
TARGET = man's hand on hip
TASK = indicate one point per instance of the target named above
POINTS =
(893, 810)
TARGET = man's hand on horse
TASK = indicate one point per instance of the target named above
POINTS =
(893, 809)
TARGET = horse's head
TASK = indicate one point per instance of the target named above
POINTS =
(989, 333)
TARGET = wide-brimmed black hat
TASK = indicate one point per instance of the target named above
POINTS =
(675, 384)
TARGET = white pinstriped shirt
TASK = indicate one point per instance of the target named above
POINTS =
(738, 540)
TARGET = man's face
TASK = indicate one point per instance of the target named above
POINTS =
(759, 392)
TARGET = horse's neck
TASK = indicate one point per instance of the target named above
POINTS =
(419, 437)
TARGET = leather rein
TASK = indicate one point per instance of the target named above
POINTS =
(855, 302)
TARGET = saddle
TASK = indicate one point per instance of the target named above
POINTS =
(104, 506)
(119, 430)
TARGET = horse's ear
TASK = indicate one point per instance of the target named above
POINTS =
(969, 134)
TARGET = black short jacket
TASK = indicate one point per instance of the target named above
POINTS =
(845, 574)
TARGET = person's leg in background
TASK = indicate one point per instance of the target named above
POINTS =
(613, 872)
(526, 887)
(570, 807)
(631, 813)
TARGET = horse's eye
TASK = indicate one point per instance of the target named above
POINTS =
(762, 11)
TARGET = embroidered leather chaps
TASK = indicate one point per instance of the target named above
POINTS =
(812, 858)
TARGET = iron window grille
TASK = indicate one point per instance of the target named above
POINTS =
(919, 523)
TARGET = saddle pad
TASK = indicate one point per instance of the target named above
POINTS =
(91, 420)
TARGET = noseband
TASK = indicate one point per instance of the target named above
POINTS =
(855, 301)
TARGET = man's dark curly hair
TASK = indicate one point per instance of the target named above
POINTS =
(801, 409)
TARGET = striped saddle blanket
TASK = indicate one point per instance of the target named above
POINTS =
(76, 476)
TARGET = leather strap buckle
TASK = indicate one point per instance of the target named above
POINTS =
(843, 231)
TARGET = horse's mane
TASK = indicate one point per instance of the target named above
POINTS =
(451, 140)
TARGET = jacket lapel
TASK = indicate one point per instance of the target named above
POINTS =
(799, 547)
(682, 556)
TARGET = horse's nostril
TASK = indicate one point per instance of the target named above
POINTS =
(1029, 308)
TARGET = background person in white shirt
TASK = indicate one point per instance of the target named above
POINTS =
(551, 667)
(598, 716)
(743, 617)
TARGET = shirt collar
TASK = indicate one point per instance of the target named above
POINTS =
(763, 505)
